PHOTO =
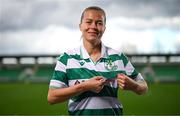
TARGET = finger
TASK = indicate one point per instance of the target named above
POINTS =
(102, 86)
(121, 81)
(103, 80)
(121, 86)
(121, 76)
(99, 78)
(98, 89)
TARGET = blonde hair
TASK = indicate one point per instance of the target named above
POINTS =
(93, 8)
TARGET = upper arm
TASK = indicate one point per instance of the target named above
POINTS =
(59, 77)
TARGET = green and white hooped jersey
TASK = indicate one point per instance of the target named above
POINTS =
(75, 66)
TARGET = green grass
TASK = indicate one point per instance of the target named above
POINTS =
(161, 99)
(28, 99)
(31, 99)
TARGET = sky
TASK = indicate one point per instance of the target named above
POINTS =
(52, 26)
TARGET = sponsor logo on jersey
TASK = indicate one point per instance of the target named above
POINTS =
(77, 82)
(82, 62)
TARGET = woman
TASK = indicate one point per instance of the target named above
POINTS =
(89, 76)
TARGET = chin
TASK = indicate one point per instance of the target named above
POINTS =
(95, 37)
(92, 39)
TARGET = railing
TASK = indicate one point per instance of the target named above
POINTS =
(154, 58)
(136, 58)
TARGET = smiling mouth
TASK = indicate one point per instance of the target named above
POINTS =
(93, 33)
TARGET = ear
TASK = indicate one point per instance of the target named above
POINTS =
(104, 29)
(80, 27)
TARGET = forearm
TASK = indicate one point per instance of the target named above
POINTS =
(137, 86)
(63, 94)
(140, 87)
(94, 84)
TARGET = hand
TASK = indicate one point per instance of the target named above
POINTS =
(125, 82)
(95, 84)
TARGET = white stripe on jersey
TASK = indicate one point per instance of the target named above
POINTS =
(72, 82)
(109, 82)
(95, 103)
(57, 84)
(139, 77)
(60, 67)
(129, 68)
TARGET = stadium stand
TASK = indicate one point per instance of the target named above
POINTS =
(39, 68)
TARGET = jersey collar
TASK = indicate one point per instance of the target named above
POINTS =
(84, 54)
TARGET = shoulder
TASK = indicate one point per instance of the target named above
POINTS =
(112, 51)
(74, 51)
(118, 55)
(63, 57)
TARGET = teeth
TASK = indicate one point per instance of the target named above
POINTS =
(92, 32)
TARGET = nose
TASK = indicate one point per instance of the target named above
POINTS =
(93, 25)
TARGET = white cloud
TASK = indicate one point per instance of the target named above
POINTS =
(177, 43)
(153, 23)
(117, 38)
(51, 40)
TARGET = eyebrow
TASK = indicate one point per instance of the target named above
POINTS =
(92, 19)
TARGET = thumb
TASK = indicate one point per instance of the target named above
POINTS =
(98, 77)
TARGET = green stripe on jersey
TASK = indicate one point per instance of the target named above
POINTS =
(63, 58)
(60, 76)
(124, 59)
(107, 91)
(84, 73)
(134, 74)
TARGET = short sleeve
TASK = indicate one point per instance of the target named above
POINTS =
(59, 77)
(130, 70)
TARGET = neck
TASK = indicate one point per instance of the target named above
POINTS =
(93, 49)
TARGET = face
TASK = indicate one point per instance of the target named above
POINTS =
(92, 25)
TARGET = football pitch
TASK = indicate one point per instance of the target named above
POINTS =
(31, 99)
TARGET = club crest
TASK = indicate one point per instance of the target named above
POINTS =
(110, 65)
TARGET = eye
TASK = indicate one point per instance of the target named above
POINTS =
(88, 22)
(100, 23)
